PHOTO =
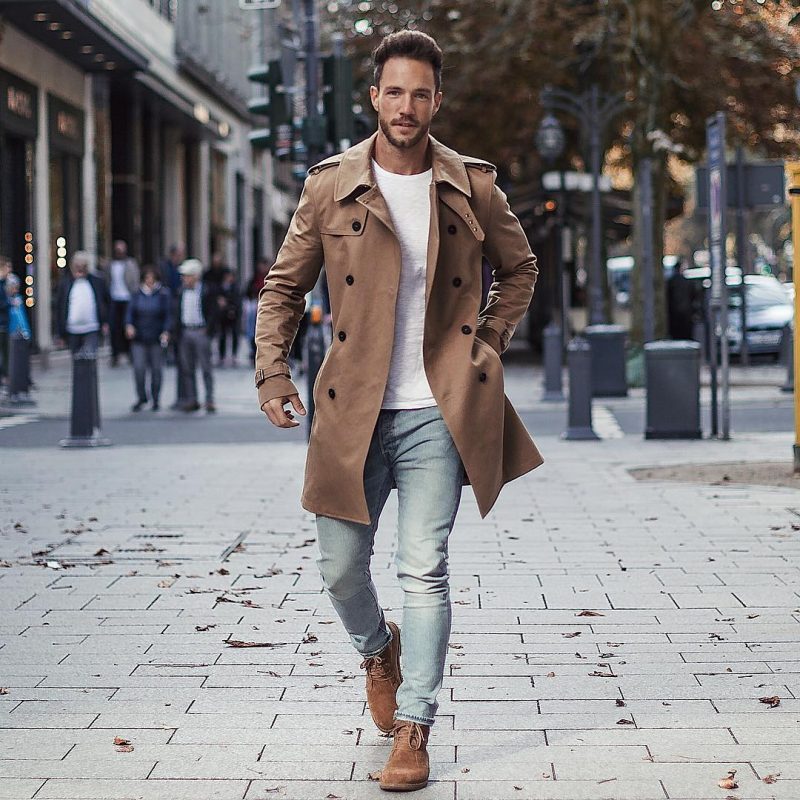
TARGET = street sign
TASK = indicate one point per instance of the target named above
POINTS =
(764, 185)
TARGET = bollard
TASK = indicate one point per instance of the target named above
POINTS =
(672, 371)
(552, 364)
(19, 372)
(85, 420)
(608, 360)
(787, 357)
(579, 410)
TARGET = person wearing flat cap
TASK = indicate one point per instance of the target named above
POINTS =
(195, 322)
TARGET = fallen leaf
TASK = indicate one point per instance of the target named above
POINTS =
(728, 782)
(332, 797)
(220, 571)
(119, 740)
(465, 769)
(456, 646)
(772, 701)
(125, 748)
(620, 703)
(204, 627)
(240, 643)
(374, 776)
(571, 635)
(102, 552)
(589, 614)
(624, 721)
(598, 674)
(551, 674)
(771, 778)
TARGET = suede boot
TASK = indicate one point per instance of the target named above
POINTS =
(383, 678)
(408, 766)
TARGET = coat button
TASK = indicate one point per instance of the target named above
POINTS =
(456, 281)
(356, 225)
(349, 280)
(482, 377)
(451, 229)
(342, 336)
(331, 393)
(466, 330)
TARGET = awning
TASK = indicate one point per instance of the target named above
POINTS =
(70, 29)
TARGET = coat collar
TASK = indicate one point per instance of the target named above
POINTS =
(355, 168)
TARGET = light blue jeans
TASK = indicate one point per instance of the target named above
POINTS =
(413, 451)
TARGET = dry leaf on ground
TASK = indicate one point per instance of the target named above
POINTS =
(729, 781)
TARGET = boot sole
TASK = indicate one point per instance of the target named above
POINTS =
(403, 787)
(395, 632)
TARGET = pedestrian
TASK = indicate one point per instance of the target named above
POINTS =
(122, 278)
(230, 317)
(147, 326)
(251, 302)
(5, 270)
(683, 304)
(410, 394)
(82, 306)
(196, 318)
(19, 329)
(170, 276)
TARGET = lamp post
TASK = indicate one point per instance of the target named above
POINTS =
(593, 110)
(550, 143)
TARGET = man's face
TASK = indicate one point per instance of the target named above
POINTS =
(189, 281)
(79, 270)
(406, 101)
(5, 268)
(120, 250)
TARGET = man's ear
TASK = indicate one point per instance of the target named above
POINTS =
(437, 102)
(373, 96)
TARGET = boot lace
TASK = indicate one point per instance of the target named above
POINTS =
(416, 737)
(376, 667)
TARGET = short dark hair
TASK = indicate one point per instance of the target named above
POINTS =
(408, 44)
(151, 269)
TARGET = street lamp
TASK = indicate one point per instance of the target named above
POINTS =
(593, 110)
(550, 143)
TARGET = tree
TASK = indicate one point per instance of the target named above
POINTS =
(677, 61)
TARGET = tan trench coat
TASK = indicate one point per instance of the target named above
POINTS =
(342, 221)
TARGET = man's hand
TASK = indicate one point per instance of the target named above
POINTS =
(278, 416)
(130, 331)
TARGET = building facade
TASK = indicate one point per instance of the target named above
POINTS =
(128, 121)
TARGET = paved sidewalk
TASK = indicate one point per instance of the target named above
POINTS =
(129, 572)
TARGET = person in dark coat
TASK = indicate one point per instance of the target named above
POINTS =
(147, 326)
(82, 306)
(682, 304)
(230, 317)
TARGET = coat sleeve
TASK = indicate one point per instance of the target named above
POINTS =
(514, 271)
(281, 301)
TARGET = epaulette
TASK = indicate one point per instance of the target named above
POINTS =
(478, 163)
(331, 161)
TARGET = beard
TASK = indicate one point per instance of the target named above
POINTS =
(404, 144)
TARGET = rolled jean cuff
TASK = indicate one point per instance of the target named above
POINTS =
(412, 718)
(380, 649)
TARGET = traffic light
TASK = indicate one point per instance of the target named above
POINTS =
(337, 99)
(275, 105)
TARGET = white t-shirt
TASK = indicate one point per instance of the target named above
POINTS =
(118, 288)
(409, 203)
(81, 308)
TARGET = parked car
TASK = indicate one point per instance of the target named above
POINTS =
(619, 269)
(768, 309)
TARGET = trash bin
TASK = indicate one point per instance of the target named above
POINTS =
(672, 370)
(608, 360)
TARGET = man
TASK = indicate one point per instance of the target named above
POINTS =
(411, 391)
(122, 277)
(82, 306)
(196, 323)
(169, 266)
